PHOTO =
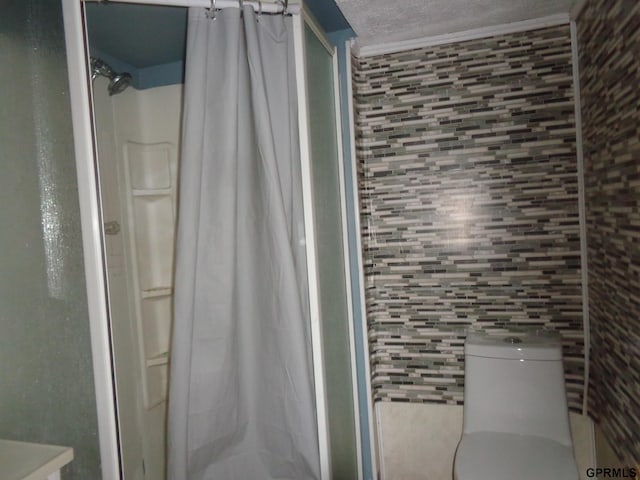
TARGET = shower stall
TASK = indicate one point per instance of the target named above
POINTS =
(138, 139)
(128, 144)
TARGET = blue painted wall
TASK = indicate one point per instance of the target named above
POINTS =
(149, 41)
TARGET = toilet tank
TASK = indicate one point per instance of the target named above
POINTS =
(515, 384)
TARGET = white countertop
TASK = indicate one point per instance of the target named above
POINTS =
(31, 461)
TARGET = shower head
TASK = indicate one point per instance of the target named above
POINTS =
(118, 81)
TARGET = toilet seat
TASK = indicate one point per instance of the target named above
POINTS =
(508, 456)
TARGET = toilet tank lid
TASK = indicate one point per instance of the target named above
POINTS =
(529, 345)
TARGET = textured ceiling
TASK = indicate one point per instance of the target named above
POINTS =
(144, 35)
(383, 21)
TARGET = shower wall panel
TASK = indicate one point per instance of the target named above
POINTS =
(127, 378)
(147, 144)
(609, 51)
(138, 142)
(469, 200)
(46, 381)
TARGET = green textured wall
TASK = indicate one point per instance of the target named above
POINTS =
(46, 380)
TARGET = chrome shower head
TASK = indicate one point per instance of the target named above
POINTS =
(118, 81)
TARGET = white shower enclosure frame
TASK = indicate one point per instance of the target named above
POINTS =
(92, 224)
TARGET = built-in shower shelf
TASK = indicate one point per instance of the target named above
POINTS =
(151, 185)
(157, 292)
(161, 359)
(151, 192)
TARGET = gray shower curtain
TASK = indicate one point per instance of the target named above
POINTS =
(241, 398)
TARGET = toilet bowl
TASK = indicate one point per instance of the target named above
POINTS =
(515, 420)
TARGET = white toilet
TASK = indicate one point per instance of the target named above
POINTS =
(516, 421)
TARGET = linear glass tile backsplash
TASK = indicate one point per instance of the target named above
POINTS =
(469, 200)
(609, 46)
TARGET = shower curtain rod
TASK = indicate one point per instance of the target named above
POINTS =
(268, 6)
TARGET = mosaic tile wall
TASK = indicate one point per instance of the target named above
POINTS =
(609, 52)
(469, 204)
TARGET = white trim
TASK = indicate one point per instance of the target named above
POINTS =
(310, 245)
(311, 22)
(584, 266)
(268, 6)
(347, 266)
(504, 29)
(358, 255)
(90, 217)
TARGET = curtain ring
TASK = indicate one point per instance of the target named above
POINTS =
(211, 11)
(241, 5)
(259, 9)
(285, 5)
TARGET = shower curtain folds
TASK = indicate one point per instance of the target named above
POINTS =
(241, 394)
